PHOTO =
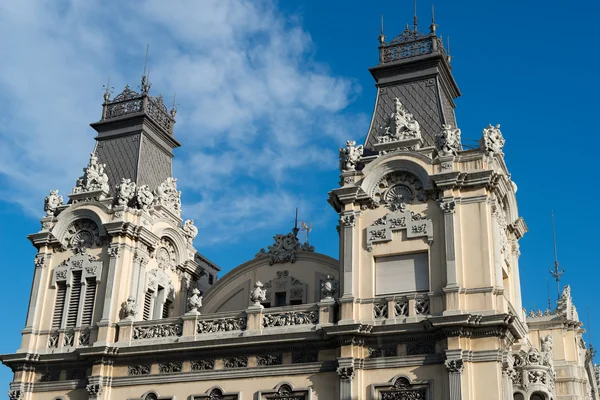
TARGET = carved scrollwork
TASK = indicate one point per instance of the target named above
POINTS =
(69, 338)
(157, 331)
(422, 306)
(305, 357)
(415, 224)
(235, 362)
(94, 389)
(137, 370)
(345, 373)
(170, 367)
(454, 366)
(290, 318)
(382, 351)
(269, 359)
(166, 256)
(380, 310)
(221, 325)
(202, 365)
(401, 308)
(284, 249)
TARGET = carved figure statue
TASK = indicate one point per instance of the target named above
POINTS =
(400, 125)
(448, 141)
(189, 230)
(194, 301)
(52, 202)
(492, 140)
(130, 308)
(125, 191)
(94, 178)
(328, 288)
(258, 294)
(547, 356)
(350, 155)
(168, 196)
(144, 197)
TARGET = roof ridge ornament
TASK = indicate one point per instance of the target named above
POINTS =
(284, 249)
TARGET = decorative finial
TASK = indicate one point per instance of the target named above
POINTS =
(107, 90)
(295, 230)
(381, 37)
(174, 108)
(146, 79)
(415, 18)
(433, 26)
(556, 272)
(306, 228)
(449, 58)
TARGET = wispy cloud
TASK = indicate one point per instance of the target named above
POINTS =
(256, 109)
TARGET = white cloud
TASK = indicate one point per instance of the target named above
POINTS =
(256, 109)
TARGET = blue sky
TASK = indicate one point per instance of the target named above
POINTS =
(268, 91)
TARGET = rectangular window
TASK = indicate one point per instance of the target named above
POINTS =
(88, 302)
(74, 300)
(59, 306)
(147, 305)
(402, 274)
(295, 302)
(211, 279)
(280, 299)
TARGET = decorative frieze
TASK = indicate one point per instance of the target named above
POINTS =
(50, 376)
(170, 367)
(417, 348)
(53, 340)
(401, 308)
(235, 362)
(269, 359)
(69, 338)
(137, 370)
(402, 389)
(305, 357)
(290, 318)
(157, 331)
(415, 225)
(221, 325)
(382, 351)
(380, 310)
(202, 365)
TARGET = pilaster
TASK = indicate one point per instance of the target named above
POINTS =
(455, 367)
(105, 329)
(348, 227)
(345, 372)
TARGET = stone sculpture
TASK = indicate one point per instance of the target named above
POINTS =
(167, 195)
(328, 288)
(144, 197)
(130, 308)
(448, 141)
(258, 294)
(194, 301)
(350, 155)
(400, 125)
(189, 230)
(93, 179)
(492, 140)
(125, 191)
(52, 202)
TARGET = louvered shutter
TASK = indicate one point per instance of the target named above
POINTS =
(88, 302)
(74, 300)
(59, 306)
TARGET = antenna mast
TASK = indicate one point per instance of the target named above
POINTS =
(295, 229)
(556, 272)
(415, 19)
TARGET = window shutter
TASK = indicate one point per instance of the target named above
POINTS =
(165, 310)
(74, 300)
(88, 302)
(59, 306)
(147, 305)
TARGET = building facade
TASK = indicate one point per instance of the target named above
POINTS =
(424, 302)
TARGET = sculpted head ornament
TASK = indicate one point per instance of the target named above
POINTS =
(52, 202)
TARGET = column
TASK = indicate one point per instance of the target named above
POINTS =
(455, 368)
(41, 261)
(346, 373)
(347, 227)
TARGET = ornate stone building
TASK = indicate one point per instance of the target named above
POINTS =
(424, 303)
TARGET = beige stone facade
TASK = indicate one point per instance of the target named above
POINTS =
(424, 302)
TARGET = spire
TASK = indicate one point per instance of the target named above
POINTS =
(415, 19)
(433, 26)
(556, 272)
(381, 37)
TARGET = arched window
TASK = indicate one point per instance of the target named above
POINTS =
(537, 396)
(518, 396)
(151, 396)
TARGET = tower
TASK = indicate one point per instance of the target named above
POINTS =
(429, 232)
(135, 137)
